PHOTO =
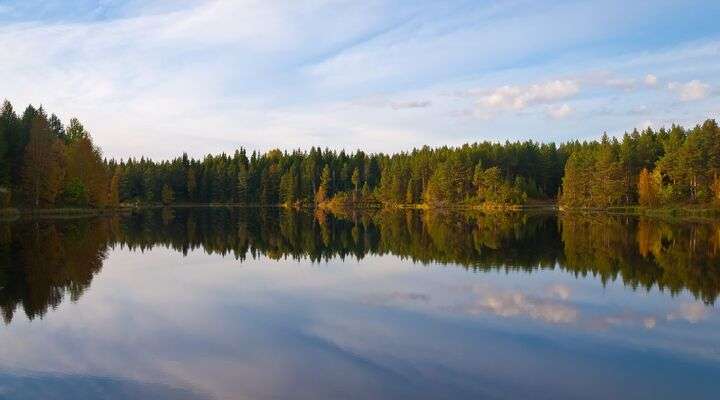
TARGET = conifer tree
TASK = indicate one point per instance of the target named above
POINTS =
(75, 131)
(191, 184)
(57, 128)
(242, 185)
(324, 190)
(168, 196)
(43, 164)
(288, 187)
(114, 189)
(5, 129)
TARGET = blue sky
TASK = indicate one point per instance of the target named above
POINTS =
(160, 77)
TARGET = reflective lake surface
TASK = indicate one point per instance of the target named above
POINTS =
(233, 303)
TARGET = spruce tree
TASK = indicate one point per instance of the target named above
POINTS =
(43, 164)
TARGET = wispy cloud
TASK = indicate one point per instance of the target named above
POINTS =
(411, 104)
(690, 312)
(266, 74)
(690, 91)
(650, 80)
(558, 112)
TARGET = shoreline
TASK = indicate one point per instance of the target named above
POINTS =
(688, 211)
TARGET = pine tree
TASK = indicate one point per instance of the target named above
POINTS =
(410, 192)
(441, 190)
(242, 185)
(57, 128)
(4, 161)
(355, 178)
(324, 190)
(191, 184)
(608, 182)
(114, 189)
(75, 131)
(575, 182)
(288, 191)
(43, 164)
(17, 140)
(148, 185)
(168, 196)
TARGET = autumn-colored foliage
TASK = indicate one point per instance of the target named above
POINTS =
(114, 190)
(43, 165)
(86, 171)
(648, 189)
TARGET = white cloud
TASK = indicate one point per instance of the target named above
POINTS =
(649, 322)
(517, 97)
(290, 72)
(691, 312)
(690, 91)
(650, 80)
(560, 290)
(517, 304)
(559, 112)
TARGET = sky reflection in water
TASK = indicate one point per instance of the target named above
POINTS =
(162, 325)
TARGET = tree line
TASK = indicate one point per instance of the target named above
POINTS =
(650, 168)
(482, 172)
(44, 163)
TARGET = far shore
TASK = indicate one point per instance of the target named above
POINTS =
(682, 212)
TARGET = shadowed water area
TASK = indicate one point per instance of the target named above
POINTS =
(235, 303)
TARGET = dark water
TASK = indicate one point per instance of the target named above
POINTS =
(271, 304)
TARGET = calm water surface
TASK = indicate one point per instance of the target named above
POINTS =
(270, 304)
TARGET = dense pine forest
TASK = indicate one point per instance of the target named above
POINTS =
(45, 164)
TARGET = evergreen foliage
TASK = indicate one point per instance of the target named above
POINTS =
(43, 163)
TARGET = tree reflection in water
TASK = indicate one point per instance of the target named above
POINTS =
(42, 261)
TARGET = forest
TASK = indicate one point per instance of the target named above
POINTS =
(46, 164)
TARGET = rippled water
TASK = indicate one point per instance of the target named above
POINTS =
(235, 303)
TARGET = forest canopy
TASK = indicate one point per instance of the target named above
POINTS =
(45, 163)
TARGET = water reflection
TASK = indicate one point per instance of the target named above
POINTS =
(41, 261)
(61, 387)
(225, 303)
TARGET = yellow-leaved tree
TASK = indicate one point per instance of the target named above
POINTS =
(648, 188)
(716, 189)
(114, 189)
(86, 181)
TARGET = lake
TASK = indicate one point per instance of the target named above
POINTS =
(243, 303)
